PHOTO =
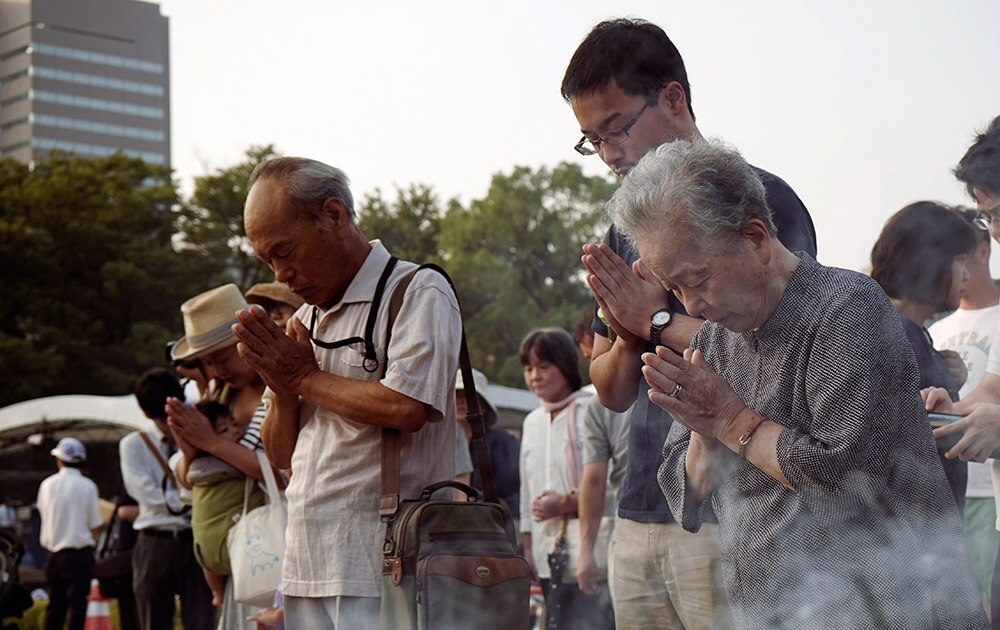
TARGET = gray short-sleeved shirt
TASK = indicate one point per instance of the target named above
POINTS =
(605, 439)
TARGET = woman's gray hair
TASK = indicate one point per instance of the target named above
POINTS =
(308, 183)
(704, 184)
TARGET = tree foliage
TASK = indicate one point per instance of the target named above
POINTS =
(515, 257)
(91, 280)
(212, 220)
(410, 226)
(96, 256)
(514, 254)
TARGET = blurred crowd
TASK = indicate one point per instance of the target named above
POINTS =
(754, 451)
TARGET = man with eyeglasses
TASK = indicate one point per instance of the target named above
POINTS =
(979, 170)
(629, 91)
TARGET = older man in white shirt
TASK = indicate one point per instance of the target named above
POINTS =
(67, 504)
(163, 562)
(331, 392)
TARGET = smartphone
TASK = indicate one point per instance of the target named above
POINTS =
(941, 419)
(945, 443)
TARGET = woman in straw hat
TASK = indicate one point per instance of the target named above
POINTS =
(208, 320)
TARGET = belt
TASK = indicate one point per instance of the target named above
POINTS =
(180, 534)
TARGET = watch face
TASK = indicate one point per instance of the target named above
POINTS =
(661, 318)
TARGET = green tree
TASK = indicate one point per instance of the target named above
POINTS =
(212, 220)
(91, 280)
(515, 257)
(409, 227)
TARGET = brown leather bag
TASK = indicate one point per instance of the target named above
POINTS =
(449, 564)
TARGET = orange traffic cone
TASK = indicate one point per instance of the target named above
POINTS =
(98, 615)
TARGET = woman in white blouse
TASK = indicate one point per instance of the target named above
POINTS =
(551, 467)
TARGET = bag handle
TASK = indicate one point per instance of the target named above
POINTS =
(109, 531)
(270, 483)
(392, 438)
(472, 493)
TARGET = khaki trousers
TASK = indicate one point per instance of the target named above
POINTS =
(666, 577)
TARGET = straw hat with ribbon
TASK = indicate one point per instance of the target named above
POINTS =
(274, 291)
(208, 320)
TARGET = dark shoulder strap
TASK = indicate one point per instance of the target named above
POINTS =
(370, 363)
(391, 438)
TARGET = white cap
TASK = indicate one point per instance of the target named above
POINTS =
(70, 450)
(482, 387)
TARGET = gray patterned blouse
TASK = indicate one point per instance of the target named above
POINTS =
(871, 537)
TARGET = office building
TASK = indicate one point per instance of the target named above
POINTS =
(87, 76)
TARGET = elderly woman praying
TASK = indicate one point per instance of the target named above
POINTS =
(800, 417)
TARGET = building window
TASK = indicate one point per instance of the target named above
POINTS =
(10, 54)
(13, 123)
(14, 99)
(107, 129)
(10, 148)
(99, 104)
(95, 80)
(13, 77)
(96, 57)
(94, 150)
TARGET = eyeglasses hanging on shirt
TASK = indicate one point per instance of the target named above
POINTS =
(371, 363)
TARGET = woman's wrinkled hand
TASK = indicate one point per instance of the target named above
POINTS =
(691, 391)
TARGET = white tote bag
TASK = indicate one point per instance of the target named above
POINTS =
(257, 544)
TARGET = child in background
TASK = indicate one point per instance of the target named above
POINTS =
(217, 494)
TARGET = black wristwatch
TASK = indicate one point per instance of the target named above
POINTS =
(660, 320)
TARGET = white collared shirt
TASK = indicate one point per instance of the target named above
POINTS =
(544, 467)
(143, 477)
(67, 504)
(334, 537)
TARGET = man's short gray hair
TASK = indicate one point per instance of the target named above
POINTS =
(704, 184)
(308, 183)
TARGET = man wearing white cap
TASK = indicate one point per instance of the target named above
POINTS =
(67, 504)
(504, 447)
(334, 382)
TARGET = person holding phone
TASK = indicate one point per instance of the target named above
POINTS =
(919, 259)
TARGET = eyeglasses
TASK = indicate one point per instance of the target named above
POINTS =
(986, 220)
(586, 146)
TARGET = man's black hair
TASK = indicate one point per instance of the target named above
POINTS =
(152, 390)
(980, 166)
(638, 55)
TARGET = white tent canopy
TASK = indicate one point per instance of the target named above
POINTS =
(117, 410)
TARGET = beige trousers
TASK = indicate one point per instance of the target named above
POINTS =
(666, 577)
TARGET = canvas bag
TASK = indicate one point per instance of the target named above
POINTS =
(257, 543)
(449, 564)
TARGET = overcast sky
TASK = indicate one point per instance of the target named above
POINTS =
(861, 106)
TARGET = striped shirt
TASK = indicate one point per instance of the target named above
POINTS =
(251, 434)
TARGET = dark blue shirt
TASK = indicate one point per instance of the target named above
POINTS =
(505, 452)
(641, 499)
(934, 373)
